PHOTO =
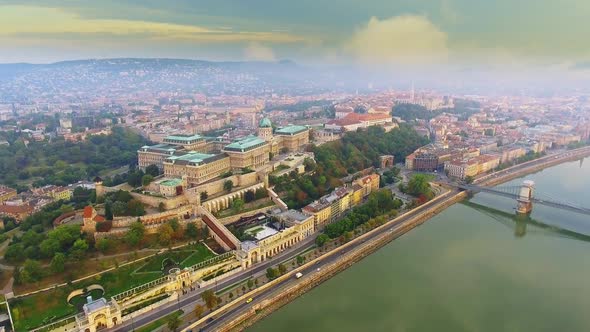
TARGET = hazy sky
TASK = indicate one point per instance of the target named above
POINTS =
(488, 32)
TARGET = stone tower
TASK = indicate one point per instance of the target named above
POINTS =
(98, 187)
(265, 129)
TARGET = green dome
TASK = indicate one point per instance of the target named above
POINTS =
(265, 123)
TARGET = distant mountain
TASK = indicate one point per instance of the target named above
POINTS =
(112, 77)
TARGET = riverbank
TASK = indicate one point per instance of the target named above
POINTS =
(282, 296)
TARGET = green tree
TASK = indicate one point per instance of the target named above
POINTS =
(192, 231)
(104, 244)
(271, 273)
(58, 263)
(135, 208)
(108, 210)
(300, 260)
(204, 195)
(146, 180)
(165, 234)
(282, 269)
(152, 170)
(238, 205)
(161, 207)
(32, 271)
(173, 323)
(78, 250)
(228, 185)
(321, 239)
(135, 233)
(469, 179)
(250, 283)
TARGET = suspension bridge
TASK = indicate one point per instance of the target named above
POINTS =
(523, 194)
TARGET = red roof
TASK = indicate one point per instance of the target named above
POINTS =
(88, 211)
(98, 218)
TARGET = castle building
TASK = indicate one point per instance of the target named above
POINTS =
(197, 167)
(156, 154)
(251, 152)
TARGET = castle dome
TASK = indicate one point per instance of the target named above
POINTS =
(265, 123)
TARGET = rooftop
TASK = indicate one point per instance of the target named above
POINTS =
(265, 123)
(245, 144)
(171, 182)
(291, 130)
(159, 148)
(183, 138)
(193, 158)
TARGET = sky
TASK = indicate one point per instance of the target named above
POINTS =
(507, 33)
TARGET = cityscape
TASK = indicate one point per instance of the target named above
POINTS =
(219, 167)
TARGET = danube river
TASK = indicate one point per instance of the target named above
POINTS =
(474, 267)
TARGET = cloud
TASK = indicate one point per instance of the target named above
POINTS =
(406, 39)
(258, 52)
(38, 23)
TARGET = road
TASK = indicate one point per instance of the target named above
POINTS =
(401, 226)
(192, 298)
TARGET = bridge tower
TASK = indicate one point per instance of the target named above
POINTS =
(525, 204)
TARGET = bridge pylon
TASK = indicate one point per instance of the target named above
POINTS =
(525, 204)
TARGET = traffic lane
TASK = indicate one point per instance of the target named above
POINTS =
(150, 316)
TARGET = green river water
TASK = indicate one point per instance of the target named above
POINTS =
(474, 267)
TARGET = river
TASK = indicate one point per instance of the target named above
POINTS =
(474, 267)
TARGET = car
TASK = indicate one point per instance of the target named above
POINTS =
(249, 300)
(318, 269)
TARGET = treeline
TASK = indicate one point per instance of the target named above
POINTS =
(61, 162)
(374, 212)
(335, 160)
(463, 109)
(300, 106)
(361, 149)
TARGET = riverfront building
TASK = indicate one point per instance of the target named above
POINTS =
(275, 234)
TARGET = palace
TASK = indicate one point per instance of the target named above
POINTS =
(156, 154)
(196, 167)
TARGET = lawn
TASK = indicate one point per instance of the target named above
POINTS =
(45, 307)
(157, 323)
(200, 254)
(154, 264)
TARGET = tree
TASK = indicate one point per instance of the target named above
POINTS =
(119, 209)
(49, 247)
(271, 273)
(192, 231)
(321, 240)
(228, 185)
(161, 207)
(146, 180)
(250, 283)
(173, 323)
(282, 269)
(261, 193)
(152, 170)
(204, 195)
(165, 234)
(199, 310)
(135, 208)
(79, 249)
(32, 271)
(238, 205)
(104, 244)
(58, 263)
(135, 233)
(469, 179)
(300, 259)
(210, 299)
(249, 196)
(108, 210)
